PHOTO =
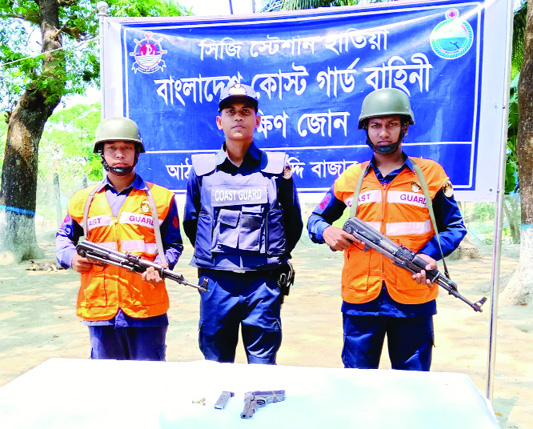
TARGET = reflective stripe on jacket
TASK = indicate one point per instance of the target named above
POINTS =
(398, 210)
(105, 289)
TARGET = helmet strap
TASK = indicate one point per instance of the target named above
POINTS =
(388, 149)
(120, 171)
(384, 150)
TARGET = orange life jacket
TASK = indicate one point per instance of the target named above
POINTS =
(105, 289)
(398, 210)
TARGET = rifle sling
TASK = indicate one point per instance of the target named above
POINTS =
(157, 229)
(88, 202)
(355, 201)
(429, 205)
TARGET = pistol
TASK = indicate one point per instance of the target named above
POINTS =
(258, 399)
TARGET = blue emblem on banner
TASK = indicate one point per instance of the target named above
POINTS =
(148, 53)
(453, 37)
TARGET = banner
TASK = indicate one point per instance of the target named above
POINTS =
(311, 70)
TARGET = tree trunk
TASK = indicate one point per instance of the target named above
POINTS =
(511, 209)
(18, 193)
(520, 287)
(519, 290)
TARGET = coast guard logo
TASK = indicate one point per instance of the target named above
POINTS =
(237, 89)
(148, 53)
(453, 37)
(145, 206)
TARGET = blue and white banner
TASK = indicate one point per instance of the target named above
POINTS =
(311, 70)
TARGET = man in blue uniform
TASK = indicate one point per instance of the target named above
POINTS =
(379, 298)
(243, 218)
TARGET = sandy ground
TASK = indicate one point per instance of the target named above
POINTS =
(38, 322)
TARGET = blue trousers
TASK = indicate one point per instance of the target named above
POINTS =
(409, 340)
(249, 300)
(110, 342)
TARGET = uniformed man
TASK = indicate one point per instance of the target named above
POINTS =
(378, 297)
(125, 313)
(243, 218)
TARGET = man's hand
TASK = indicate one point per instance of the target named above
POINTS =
(420, 277)
(81, 264)
(338, 238)
(152, 276)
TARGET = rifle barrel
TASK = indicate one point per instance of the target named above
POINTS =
(382, 244)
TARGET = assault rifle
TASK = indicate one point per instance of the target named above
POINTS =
(403, 257)
(134, 263)
(258, 399)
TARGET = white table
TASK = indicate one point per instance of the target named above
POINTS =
(72, 393)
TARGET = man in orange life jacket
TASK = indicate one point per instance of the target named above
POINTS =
(125, 312)
(378, 297)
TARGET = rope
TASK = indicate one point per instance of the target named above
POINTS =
(49, 52)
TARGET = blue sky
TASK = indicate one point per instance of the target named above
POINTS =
(221, 7)
(218, 7)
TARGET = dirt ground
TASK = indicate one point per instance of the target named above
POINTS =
(38, 322)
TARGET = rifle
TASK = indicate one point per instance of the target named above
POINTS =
(403, 257)
(131, 262)
(258, 399)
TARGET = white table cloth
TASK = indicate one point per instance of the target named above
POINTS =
(72, 393)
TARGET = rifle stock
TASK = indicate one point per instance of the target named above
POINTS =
(403, 257)
(131, 262)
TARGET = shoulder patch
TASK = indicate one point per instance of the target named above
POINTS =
(447, 189)
(287, 171)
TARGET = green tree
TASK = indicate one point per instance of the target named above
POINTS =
(520, 287)
(66, 146)
(512, 202)
(33, 87)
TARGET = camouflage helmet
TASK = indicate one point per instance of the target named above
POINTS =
(114, 129)
(385, 102)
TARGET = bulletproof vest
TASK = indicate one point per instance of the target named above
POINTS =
(240, 214)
